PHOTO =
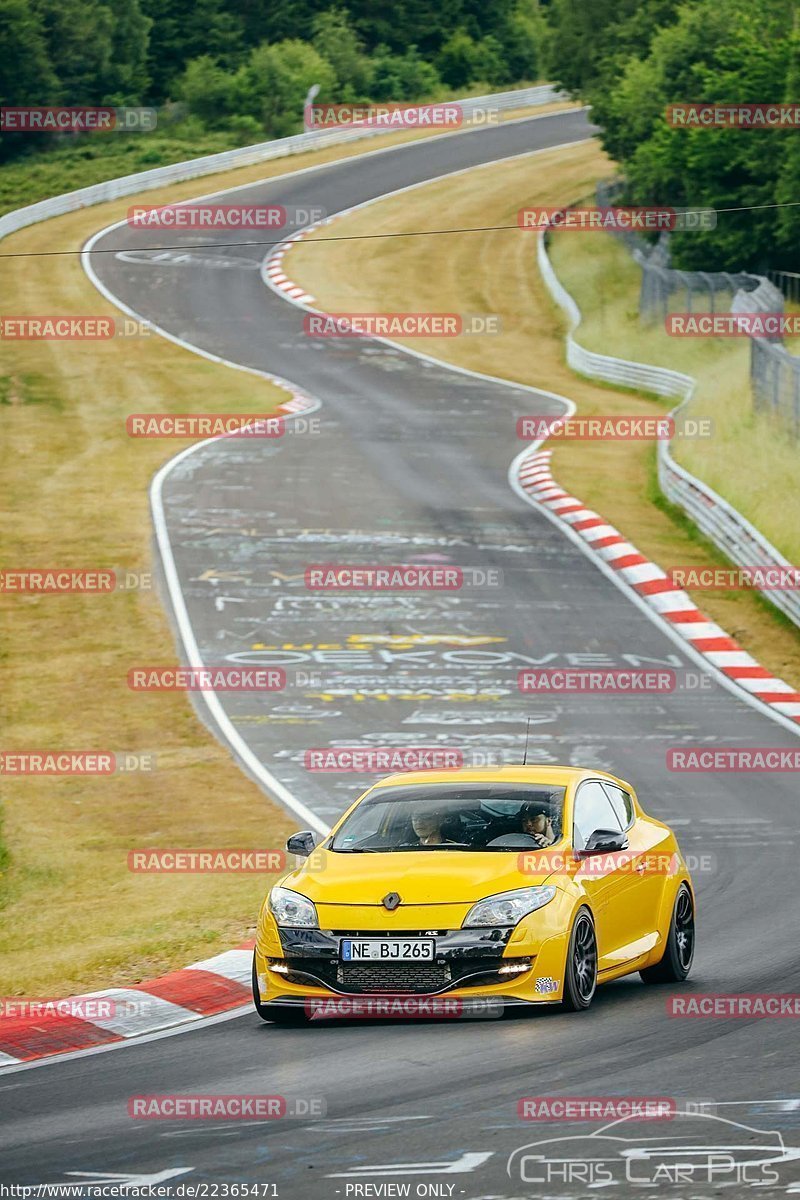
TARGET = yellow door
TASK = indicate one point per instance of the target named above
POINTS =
(609, 878)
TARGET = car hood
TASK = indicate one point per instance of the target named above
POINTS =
(420, 877)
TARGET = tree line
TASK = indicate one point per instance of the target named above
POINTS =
(246, 65)
(630, 59)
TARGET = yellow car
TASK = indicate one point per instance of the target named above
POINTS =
(517, 885)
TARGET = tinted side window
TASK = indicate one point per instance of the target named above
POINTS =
(621, 802)
(592, 811)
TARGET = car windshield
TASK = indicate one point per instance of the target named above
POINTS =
(444, 816)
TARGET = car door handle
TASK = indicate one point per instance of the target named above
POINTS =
(641, 867)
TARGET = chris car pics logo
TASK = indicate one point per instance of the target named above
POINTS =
(692, 1150)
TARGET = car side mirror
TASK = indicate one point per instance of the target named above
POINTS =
(603, 840)
(303, 843)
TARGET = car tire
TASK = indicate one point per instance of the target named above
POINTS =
(278, 1014)
(676, 962)
(580, 974)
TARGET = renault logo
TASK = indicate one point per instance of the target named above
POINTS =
(391, 901)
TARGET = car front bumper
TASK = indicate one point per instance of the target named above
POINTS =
(471, 968)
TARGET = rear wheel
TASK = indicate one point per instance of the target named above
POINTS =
(580, 978)
(679, 950)
(279, 1014)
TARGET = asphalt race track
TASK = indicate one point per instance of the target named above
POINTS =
(410, 464)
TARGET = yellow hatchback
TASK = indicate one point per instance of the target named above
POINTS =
(512, 885)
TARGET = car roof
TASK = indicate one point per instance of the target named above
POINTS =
(555, 776)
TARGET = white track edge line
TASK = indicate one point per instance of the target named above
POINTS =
(221, 719)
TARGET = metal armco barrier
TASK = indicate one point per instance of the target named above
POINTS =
(732, 533)
(228, 160)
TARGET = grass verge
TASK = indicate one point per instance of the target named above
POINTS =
(494, 271)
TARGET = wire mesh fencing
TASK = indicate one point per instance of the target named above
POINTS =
(774, 371)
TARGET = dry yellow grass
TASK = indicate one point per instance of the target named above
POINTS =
(495, 271)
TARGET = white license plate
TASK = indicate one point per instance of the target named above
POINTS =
(387, 949)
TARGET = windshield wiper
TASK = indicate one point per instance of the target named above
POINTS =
(443, 846)
(403, 846)
(354, 850)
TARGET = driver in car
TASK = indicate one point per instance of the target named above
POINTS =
(537, 824)
(428, 828)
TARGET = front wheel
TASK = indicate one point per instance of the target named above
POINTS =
(279, 1014)
(679, 950)
(580, 977)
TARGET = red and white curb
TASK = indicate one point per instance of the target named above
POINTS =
(273, 272)
(299, 403)
(272, 267)
(653, 586)
(114, 1015)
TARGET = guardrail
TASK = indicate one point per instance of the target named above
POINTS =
(620, 371)
(732, 533)
(227, 160)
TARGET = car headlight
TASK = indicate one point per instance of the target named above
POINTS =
(292, 909)
(507, 908)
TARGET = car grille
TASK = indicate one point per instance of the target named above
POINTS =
(393, 977)
(419, 977)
